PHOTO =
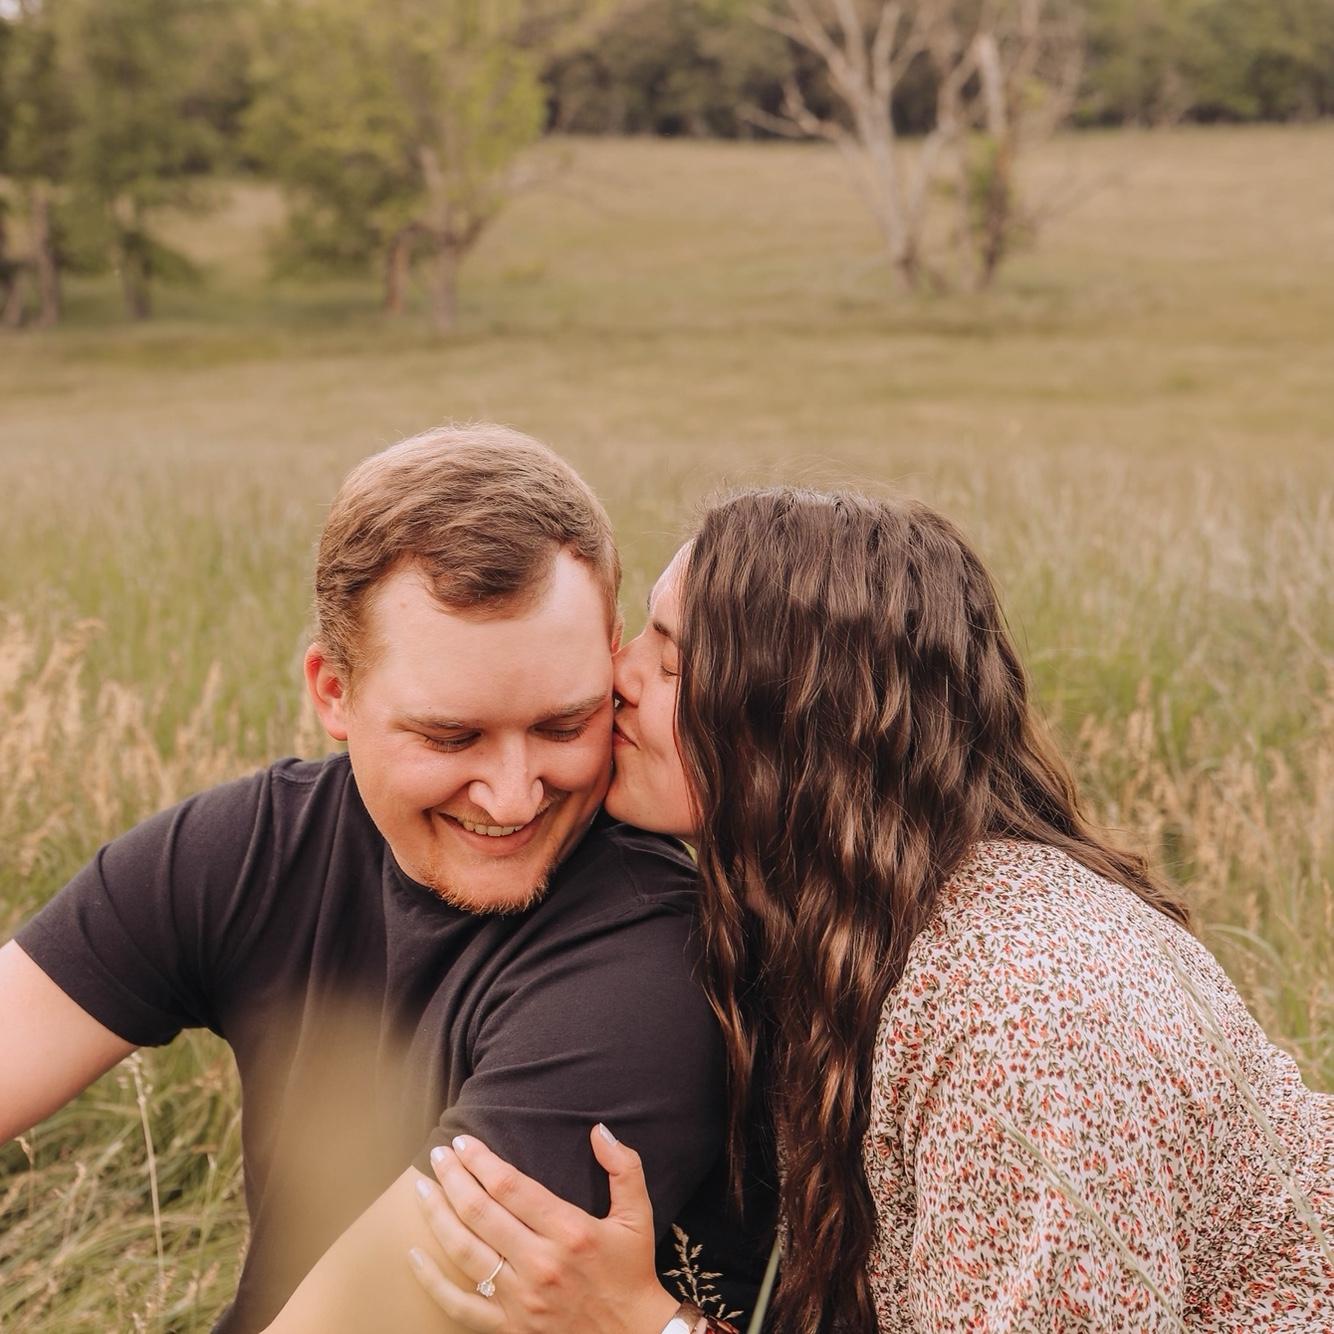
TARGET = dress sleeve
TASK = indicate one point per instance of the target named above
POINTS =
(1043, 1198)
(607, 1027)
(139, 937)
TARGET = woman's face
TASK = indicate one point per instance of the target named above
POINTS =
(649, 788)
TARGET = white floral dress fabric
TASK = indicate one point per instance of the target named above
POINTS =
(1076, 1124)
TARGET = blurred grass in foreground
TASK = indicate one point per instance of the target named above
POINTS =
(1136, 431)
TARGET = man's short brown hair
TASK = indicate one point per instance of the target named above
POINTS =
(480, 510)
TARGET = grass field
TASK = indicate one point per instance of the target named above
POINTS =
(1136, 428)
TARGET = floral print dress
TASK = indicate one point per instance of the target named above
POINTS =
(1076, 1125)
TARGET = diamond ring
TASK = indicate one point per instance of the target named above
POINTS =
(487, 1287)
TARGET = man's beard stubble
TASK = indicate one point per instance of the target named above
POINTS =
(449, 892)
(509, 907)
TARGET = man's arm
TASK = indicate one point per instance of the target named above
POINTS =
(608, 1026)
(50, 1048)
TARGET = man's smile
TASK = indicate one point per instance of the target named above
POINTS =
(493, 839)
(490, 830)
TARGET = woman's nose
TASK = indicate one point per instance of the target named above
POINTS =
(624, 678)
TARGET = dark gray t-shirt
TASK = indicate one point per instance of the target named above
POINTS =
(371, 1021)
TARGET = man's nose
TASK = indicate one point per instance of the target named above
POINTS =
(509, 792)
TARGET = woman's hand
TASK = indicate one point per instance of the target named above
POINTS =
(563, 1269)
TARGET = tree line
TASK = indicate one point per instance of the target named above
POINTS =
(399, 128)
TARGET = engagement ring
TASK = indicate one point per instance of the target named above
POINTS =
(487, 1287)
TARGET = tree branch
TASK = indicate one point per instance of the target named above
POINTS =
(854, 39)
(805, 29)
(882, 49)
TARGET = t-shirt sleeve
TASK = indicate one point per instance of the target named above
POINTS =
(140, 936)
(609, 1028)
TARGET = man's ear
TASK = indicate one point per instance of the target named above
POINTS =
(328, 691)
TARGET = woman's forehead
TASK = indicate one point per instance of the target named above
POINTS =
(666, 592)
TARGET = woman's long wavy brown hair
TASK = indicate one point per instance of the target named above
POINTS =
(853, 718)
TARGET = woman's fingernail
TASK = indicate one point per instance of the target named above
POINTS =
(606, 1134)
(424, 1189)
(438, 1155)
(461, 1144)
(417, 1258)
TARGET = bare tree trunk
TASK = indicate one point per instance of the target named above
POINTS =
(396, 267)
(863, 64)
(134, 283)
(996, 212)
(445, 289)
(875, 174)
(992, 61)
(961, 242)
(997, 221)
(11, 287)
(448, 254)
(45, 262)
(134, 255)
(876, 136)
(11, 313)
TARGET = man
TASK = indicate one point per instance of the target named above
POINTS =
(436, 932)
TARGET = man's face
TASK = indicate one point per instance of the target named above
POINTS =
(481, 748)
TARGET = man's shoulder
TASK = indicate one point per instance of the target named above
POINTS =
(621, 869)
(243, 831)
(293, 779)
(289, 786)
(618, 880)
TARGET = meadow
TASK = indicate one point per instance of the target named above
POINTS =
(1136, 429)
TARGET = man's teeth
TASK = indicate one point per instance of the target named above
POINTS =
(490, 830)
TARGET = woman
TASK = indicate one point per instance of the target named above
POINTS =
(1010, 1091)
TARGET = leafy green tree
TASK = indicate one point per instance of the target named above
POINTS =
(1155, 62)
(37, 119)
(670, 67)
(397, 127)
(702, 67)
(112, 114)
(142, 140)
(1265, 59)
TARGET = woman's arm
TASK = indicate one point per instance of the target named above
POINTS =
(1042, 1192)
(564, 1271)
(361, 1282)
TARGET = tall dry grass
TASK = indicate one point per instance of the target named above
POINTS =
(124, 1210)
(1135, 431)
(83, 759)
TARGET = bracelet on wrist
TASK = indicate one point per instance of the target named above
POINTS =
(689, 1319)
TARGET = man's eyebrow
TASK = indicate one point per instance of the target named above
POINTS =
(589, 705)
(435, 722)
